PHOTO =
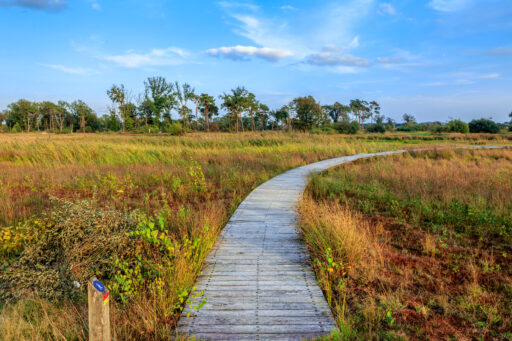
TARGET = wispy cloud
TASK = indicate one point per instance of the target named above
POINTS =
(238, 5)
(332, 24)
(449, 5)
(500, 51)
(240, 52)
(40, 5)
(389, 60)
(462, 78)
(386, 8)
(490, 76)
(331, 59)
(156, 57)
(95, 5)
(70, 70)
(288, 8)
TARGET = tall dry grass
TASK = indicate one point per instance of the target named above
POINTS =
(193, 183)
(427, 240)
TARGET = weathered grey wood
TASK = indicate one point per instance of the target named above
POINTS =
(257, 280)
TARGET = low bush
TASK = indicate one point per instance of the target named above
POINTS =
(68, 245)
(175, 129)
(483, 126)
(16, 128)
(346, 127)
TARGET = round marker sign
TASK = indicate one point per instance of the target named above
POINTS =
(99, 286)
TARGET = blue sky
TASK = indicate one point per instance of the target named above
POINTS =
(434, 59)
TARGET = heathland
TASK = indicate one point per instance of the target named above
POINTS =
(142, 211)
(415, 246)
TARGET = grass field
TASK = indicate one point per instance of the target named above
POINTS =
(141, 213)
(416, 246)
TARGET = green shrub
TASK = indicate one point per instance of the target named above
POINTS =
(483, 126)
(174, 129)
(376, 128)
(458, 126)
(346, 127)
(410, 127)
(16, 128)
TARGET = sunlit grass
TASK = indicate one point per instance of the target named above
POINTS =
(172, 195)
(420, 242)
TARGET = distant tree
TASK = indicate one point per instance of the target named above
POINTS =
(197, 102)
(145, 110)
(111, 120)
(62, 115)
(263, 111)
(390, 124)
(84, 115)
(307, 110)
(160, 97)
(252, 105)
(24, 113)
(510, 125)
(337, 111)
(118, 95)
(282, 118)
(183, 94)
(45, 119)
(235, 103)
(409, 119)
(374, 110)
(483, 126)
(378, 126)
(208, 108)
(360, 110)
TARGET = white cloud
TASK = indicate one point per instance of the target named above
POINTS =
(448, 5)
(156, 57)
(389, 60)
(385, 8)
(229, 4)
(288, 8)
(490, 76)
(330, 59)
(39, 5)
(501, 51)
(240, 52)
(66, 69)
(332, 24)
(96, 6)
(354, 43)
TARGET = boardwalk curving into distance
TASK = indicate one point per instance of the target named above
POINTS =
(257, 279)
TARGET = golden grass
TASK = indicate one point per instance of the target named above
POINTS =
(151, 175)
(421, 267)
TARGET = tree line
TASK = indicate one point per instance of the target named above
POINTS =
(152, 111)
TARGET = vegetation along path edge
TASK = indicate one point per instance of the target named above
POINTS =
(257, 282)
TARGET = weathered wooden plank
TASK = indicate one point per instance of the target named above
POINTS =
(238, 320)
(260, 328)
(257, 336)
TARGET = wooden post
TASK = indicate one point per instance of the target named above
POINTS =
(99, 315)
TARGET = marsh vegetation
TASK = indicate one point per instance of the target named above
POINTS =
(415, 246)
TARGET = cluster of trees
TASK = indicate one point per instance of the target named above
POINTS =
(29, 116)
(482, 125)
(154, 109)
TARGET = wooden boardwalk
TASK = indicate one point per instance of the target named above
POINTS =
(257, 280)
